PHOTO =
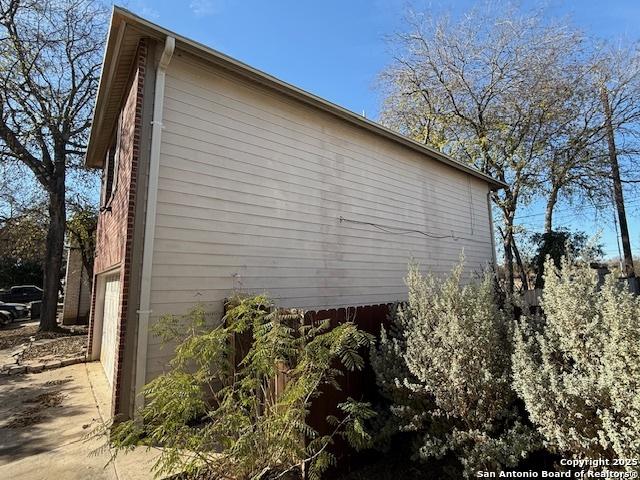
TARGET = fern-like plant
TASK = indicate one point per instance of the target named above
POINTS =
(216, 417)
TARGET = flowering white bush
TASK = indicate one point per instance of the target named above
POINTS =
(578, 368)
(445, 368)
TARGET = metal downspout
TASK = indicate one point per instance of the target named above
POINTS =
(150, 224)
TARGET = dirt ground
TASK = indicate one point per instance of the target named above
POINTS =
(60, 348)
(67, 343)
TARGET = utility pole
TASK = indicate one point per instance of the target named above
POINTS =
(617, 185)
(620, 261)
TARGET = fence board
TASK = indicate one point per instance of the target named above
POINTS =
(359, 385)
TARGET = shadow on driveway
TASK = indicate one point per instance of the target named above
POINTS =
(36, 410)
(45, 424)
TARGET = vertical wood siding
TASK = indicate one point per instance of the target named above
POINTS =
(252, 188)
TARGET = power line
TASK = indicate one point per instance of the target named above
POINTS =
(630, 201)
(563, 215)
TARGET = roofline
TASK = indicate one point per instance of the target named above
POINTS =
(123, 18)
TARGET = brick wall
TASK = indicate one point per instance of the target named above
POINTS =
(114, 235)
(111, 236)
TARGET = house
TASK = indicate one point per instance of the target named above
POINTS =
(218, 177)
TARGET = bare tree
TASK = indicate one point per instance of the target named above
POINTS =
(49, 67)
(617, 85)
(574, 164)
(18, 193)
(600, 124)
(483, 90)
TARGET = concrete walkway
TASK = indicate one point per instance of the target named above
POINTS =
(45, 421)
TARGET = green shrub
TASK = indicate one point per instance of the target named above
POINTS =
(444, 367)
(221, 420)
(578, 368)
(557, 244)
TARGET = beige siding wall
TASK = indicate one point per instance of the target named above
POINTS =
(252, 186)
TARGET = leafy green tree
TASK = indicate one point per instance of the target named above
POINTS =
(506, 92)
(445, 368)
(557, 244)
(22, 247)
(81, 228)
(577, 367)
(14, 271)
(221, 418)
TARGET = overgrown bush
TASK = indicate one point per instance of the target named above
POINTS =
(445, 368)
(216, 419)
(578, 368)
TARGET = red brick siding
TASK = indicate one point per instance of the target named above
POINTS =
(114, 236)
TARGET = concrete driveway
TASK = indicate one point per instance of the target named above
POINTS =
(45, 421)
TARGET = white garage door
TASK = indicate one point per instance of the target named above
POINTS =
(110, 324)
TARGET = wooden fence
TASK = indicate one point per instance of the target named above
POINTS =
(359, 385)
(531, 298)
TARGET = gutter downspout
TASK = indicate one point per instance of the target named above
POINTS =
(491, 229)
(150, 223)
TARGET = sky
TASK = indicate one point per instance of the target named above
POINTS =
(335, 49)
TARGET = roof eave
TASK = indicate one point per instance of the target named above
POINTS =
(122, 18)
(109, 61)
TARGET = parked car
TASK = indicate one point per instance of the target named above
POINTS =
(17, 310)
(22, 294)
(5, 318)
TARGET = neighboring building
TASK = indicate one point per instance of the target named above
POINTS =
(218, 177)
(77, 290)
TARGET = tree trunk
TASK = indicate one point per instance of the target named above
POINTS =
(53, 252)
(617, 187)
(87, 261)
(551, 204)
(508, 259)
(523, 272)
